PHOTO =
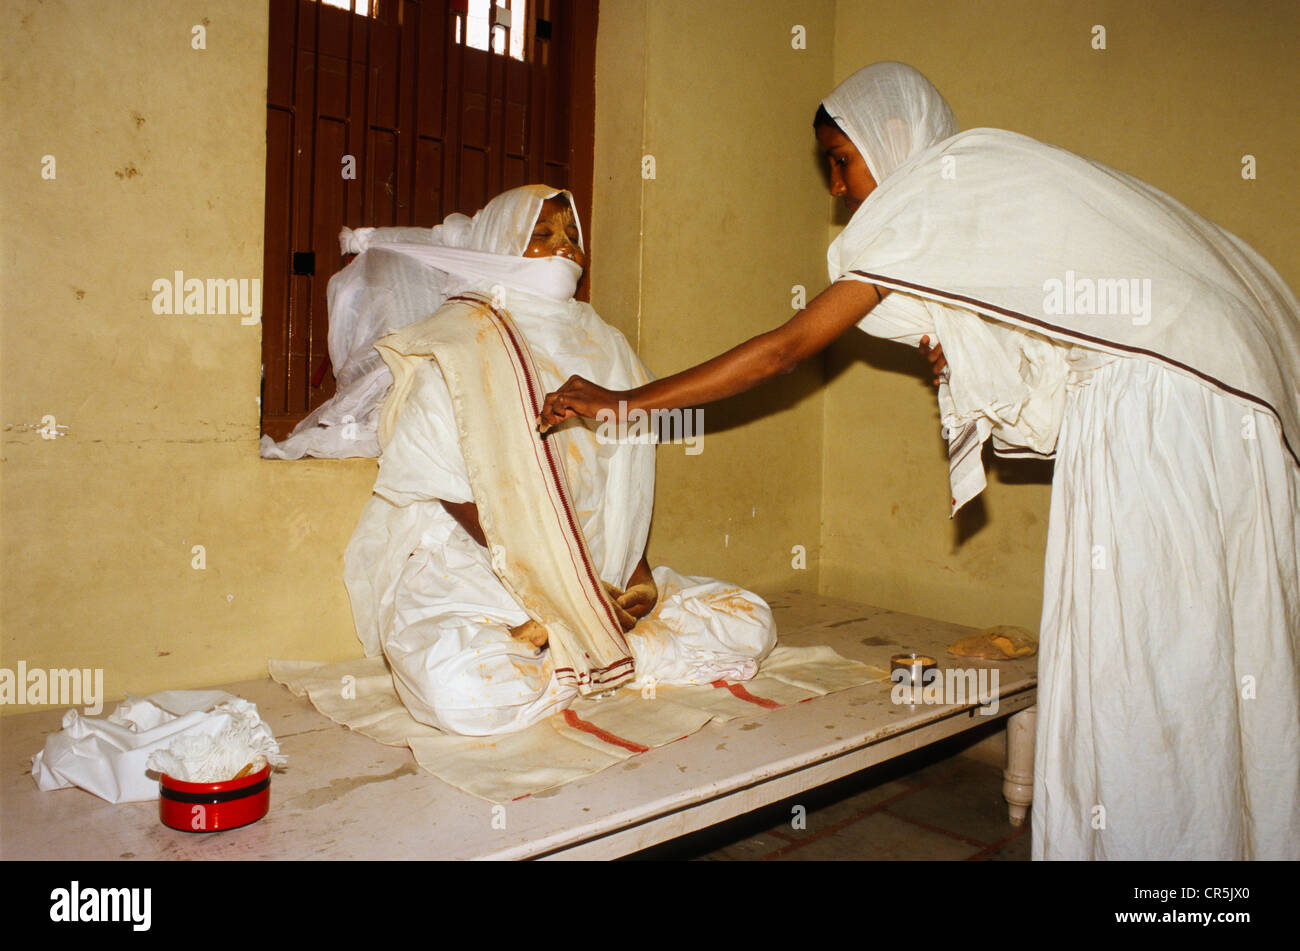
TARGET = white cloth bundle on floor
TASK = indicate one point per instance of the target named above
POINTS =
(430, 597)
(110, 757)
(1086, 315)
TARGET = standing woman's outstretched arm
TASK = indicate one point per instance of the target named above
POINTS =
(760, 358)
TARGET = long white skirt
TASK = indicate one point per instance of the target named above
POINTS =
(1169, 673)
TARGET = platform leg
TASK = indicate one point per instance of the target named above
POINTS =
(1018, 778)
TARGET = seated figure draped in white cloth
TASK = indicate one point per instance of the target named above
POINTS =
(429, 586)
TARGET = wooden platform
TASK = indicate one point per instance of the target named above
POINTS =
(345, 796)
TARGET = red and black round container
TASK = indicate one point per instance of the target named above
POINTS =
(213, 807)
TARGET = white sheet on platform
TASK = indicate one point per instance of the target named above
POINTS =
(588, 737)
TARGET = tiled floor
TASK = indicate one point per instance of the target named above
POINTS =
(939, 803)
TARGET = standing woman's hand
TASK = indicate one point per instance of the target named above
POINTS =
(808, 332)
(577, 397)
(938, 365)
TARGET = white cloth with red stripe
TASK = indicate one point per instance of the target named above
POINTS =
(1089, 316)
(434, 601)
(521, 493)
(586, 737)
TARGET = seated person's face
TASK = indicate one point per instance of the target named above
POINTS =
(556, 233)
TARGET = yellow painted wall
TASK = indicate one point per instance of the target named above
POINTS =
(733, 219)
(1182, 91)
(160, 165)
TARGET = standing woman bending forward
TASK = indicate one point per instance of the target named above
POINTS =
(1088, 317)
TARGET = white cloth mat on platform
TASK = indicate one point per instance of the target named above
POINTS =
(584, 739)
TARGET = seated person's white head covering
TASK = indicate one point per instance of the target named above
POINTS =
(402, 275)
(505, 224)
(890, 112)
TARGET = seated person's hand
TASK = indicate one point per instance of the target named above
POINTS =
(938, 365)
(625, 620)
(639, 600)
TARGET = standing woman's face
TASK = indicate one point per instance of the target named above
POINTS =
(850, 177)
(556, 233)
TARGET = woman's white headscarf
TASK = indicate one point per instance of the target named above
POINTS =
(402, 275)
(890, 112)
(1006, 249)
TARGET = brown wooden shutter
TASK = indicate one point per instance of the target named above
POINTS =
(434, 127)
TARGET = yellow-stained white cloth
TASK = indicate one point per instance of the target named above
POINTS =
(583, 739)
(533, 533)
(432, 599)
(1087, 316)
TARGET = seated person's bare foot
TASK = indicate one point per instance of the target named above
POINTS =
(530, 631)
(639, 600)
(625, 620)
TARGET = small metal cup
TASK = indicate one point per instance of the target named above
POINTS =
(912, 669)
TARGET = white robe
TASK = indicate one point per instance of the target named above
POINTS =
(426, 593)
(1169, 666)
(1169, 678)
(1169, 673)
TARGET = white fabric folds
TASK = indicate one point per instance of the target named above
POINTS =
(1034, 237)
(1089, 317)
(110, 757)
(531, 525)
